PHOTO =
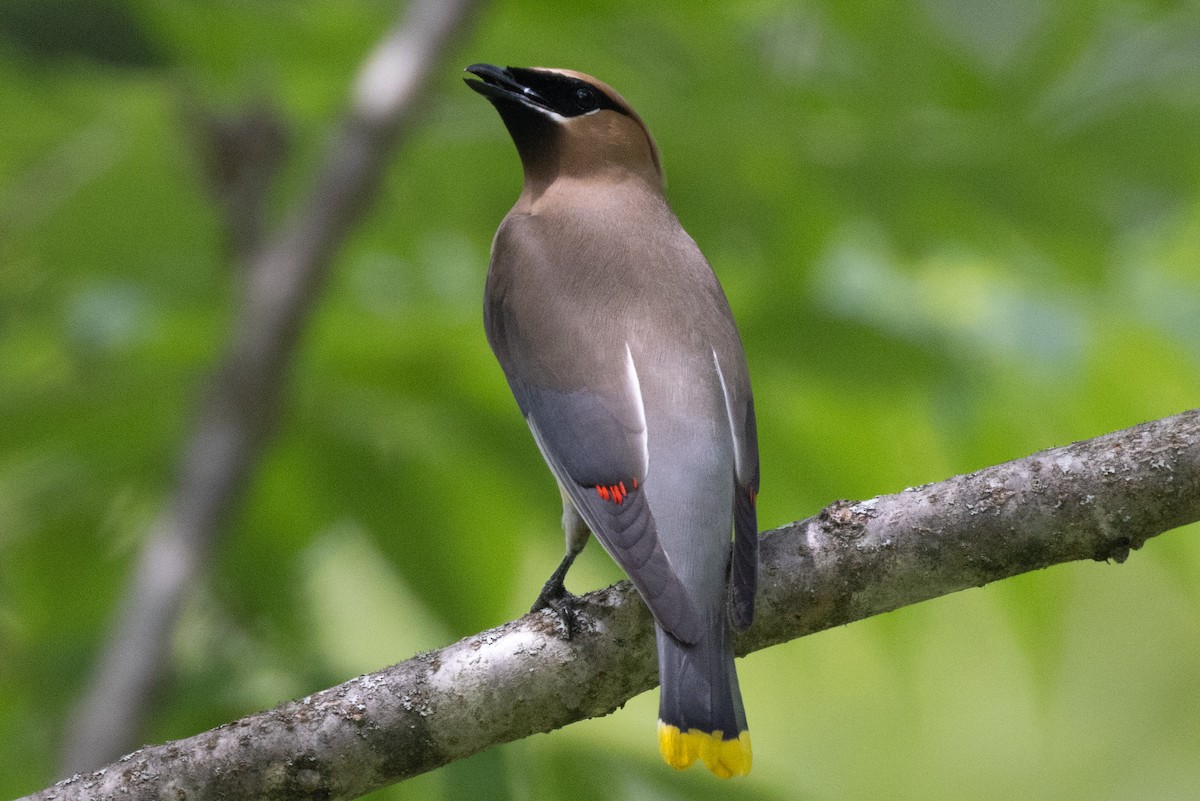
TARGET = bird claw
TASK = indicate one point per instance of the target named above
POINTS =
(563, 605)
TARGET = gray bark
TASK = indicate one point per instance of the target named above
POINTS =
(1098, 499)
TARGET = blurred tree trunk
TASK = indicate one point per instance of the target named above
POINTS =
(283, 277)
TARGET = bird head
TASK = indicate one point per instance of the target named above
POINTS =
(566, 123)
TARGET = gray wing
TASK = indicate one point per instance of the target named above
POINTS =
(739, 405)
(583, 405)
(592, 444)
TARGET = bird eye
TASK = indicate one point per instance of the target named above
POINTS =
(586, 98)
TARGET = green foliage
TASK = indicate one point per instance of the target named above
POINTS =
(953, 233)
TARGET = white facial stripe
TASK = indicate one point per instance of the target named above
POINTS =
(527, 101)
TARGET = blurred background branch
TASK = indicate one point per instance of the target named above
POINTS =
(237, 414)
(1096, 499)
(241, 154)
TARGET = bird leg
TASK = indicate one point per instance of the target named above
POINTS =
(554, 595)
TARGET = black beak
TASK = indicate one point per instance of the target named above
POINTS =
(500, 84)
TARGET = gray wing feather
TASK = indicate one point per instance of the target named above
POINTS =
(739, 406)
(626, 529)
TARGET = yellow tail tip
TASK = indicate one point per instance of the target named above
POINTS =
(723, 757)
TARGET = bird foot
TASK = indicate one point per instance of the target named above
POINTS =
(564, 605)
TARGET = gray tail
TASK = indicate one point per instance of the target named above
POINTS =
(700, 712)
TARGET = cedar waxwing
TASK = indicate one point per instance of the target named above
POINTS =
(621, 350)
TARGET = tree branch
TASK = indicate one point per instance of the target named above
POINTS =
(1097, 499)
(239, 409)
